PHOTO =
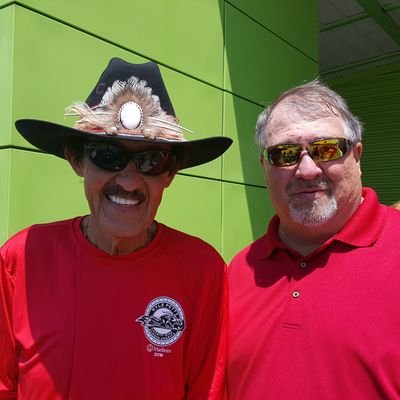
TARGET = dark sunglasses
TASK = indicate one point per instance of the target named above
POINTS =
(113, 158)
(321, 150)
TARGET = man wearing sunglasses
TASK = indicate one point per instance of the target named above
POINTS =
(114, 305)
(314, 302)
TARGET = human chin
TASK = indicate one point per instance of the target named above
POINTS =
(113, 225)
(314, 213)
(122, 218)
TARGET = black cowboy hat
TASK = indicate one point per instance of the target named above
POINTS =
(129, 102)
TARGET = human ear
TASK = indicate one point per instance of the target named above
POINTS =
(358, 151)
(76, 164)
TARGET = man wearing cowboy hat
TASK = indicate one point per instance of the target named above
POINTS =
(113, 305)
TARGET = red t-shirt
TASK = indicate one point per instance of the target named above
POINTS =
(321, 327)
(76, 323)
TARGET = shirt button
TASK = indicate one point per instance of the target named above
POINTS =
(296, 294)
(303, 264)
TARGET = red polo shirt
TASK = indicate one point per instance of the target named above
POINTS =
(321, 327)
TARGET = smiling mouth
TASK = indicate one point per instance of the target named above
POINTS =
(123, 201)
(119, 197)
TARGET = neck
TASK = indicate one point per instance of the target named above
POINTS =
(118, 245)
(303, 242)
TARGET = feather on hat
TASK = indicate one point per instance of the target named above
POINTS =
(129, 102)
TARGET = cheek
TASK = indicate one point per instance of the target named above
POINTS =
(277, 179)
(157, 186)
(94, 184)
(346, 177)
(351, 179)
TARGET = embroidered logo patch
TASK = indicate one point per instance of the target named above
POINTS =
(163, 321)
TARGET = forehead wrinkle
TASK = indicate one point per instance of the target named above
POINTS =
(292, 110)
(287, 131)
(296, 108)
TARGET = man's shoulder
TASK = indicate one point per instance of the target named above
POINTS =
(183, 237)
(38, 232)
(189, 244)
(254, 249)
(392, 211)
(34, 239)
(392, 217)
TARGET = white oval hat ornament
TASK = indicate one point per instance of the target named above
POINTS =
(131, 115)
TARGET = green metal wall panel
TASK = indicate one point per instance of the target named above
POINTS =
(293, 21)
(258, 64)
(374, 96)
(5, 166)
(246, 213)
(241, 161)
(194, 206)
(180, 33)
(6, 72)
(199, 107)
(42, 188)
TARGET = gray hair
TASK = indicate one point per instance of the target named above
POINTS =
(311, 101)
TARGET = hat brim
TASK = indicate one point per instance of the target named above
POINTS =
(51, 138)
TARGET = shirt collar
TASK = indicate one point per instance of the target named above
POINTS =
(356, 232)
(365, 226)
(271, 240)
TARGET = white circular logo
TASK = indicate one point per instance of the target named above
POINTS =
(163, 321)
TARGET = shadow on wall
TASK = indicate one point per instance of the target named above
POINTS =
(258, 65)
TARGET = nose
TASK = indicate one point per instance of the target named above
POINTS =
(129, 178)
(307, 168)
